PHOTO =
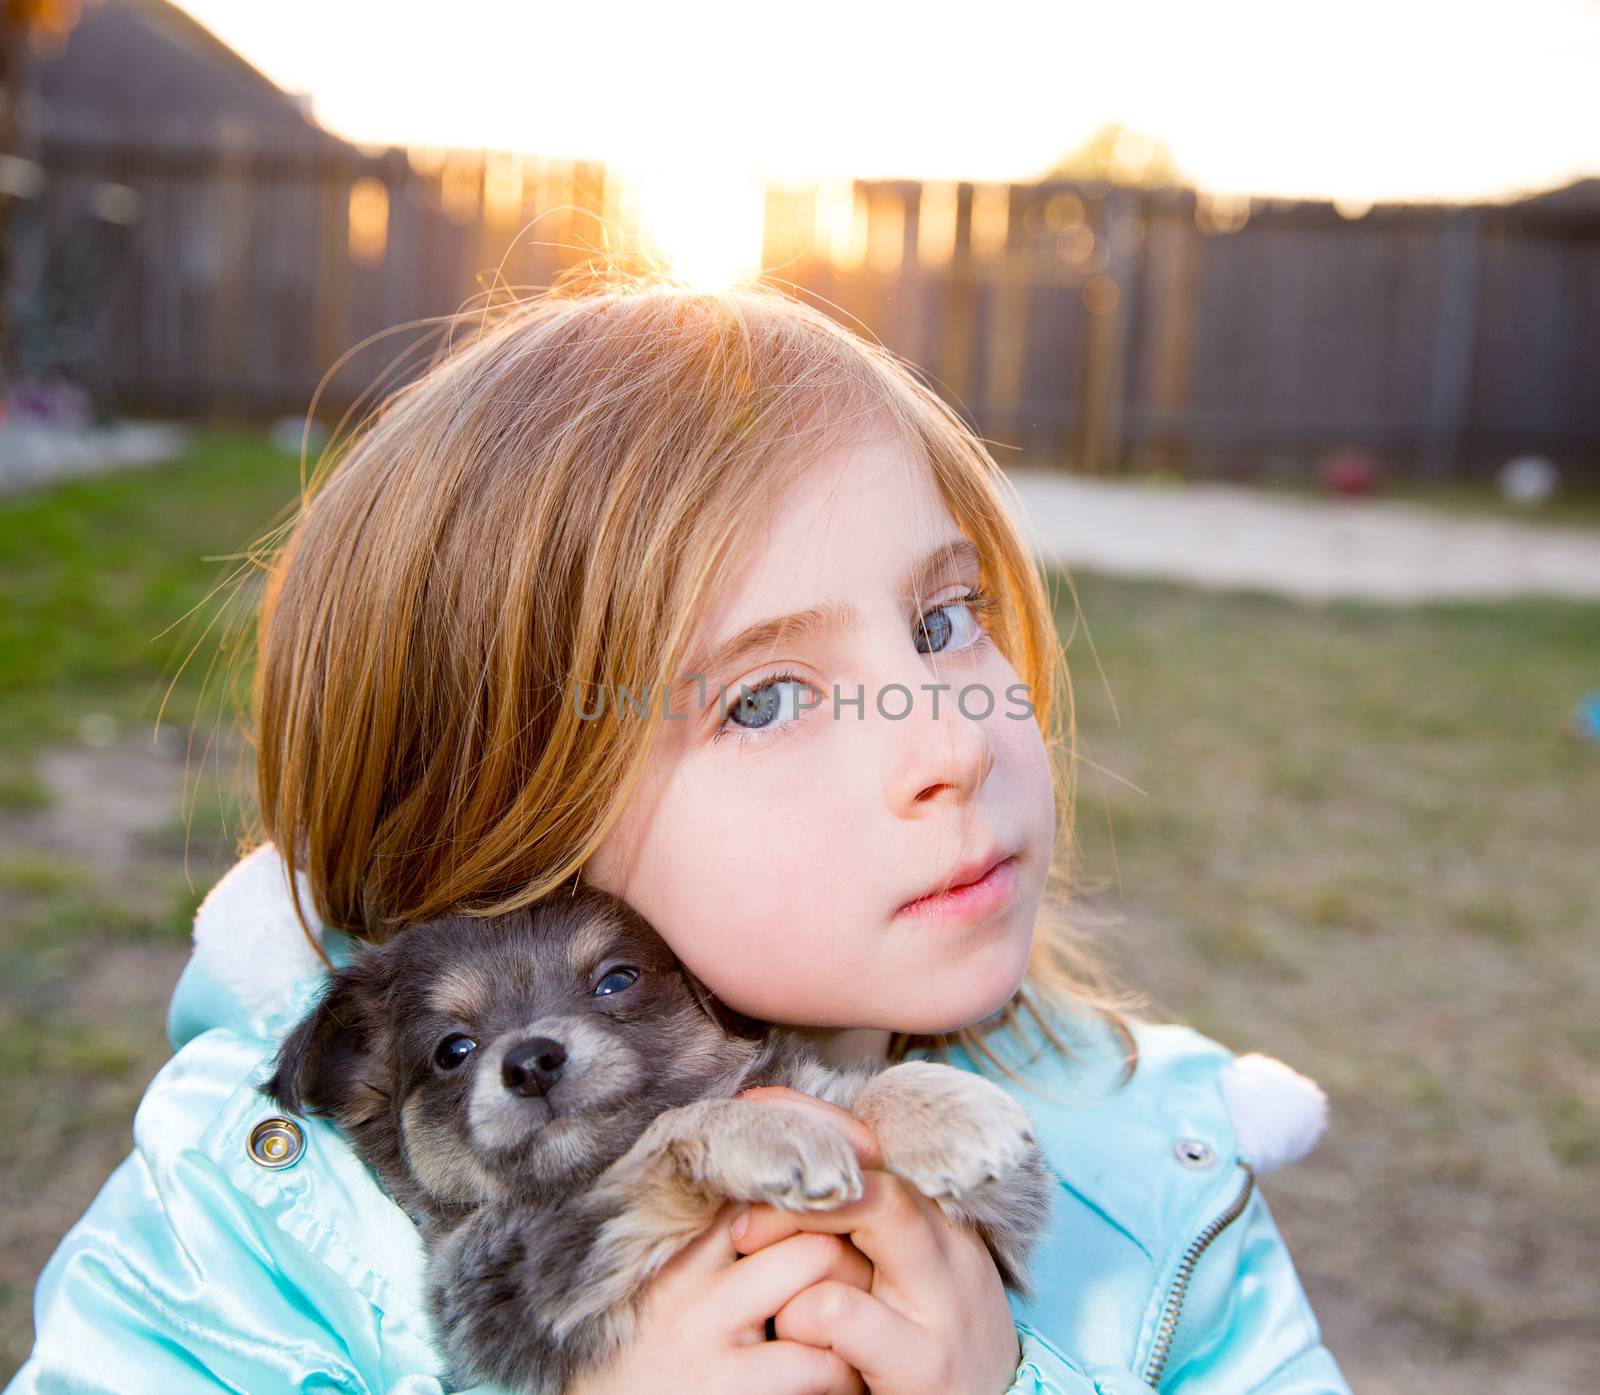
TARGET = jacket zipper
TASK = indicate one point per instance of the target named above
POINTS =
(1167, 1329)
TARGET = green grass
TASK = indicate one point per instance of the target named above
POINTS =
(1361, 842)
(100, 575)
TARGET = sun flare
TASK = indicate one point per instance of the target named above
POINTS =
(704, 222)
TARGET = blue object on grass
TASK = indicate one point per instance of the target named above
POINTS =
(1584, 719)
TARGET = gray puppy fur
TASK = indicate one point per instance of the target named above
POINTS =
(548, 1094)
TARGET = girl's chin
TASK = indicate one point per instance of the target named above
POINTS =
(907, 994)
(964, 1000)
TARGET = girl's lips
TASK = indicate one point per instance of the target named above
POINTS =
(988, 893)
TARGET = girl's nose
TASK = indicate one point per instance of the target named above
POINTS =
(934, 755)
(967, 756)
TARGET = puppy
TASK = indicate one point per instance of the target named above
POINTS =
(548, 1094)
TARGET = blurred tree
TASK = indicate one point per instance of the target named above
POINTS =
(1121, 155)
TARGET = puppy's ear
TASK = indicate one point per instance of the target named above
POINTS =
(328, 1062)
(732, 1022)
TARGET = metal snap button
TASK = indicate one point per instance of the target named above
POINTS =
(276, 1143)
(1194, 1152)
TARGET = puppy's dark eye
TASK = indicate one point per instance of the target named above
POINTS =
(453, 1050)
(614, 982)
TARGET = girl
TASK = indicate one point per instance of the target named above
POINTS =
(715, 605)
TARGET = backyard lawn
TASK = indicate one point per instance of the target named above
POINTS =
(1350, 836)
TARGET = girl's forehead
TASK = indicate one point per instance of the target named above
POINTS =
(860, 516)
(852, 510)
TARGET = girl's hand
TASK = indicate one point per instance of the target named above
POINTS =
(703, 1323)
(934, 1316)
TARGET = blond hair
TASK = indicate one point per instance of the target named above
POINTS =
(471, 556)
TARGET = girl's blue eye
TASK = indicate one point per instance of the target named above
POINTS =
(618, 979)
(453, 1050)
(937, 628)
(770, 706)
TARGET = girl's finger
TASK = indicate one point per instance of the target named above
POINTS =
(759, 1285)
(855, 1325)
(861, 1138)
(793, 1368)
(893, 1224)
(711, 1250)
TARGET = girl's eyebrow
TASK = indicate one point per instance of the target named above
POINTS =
(832, 616)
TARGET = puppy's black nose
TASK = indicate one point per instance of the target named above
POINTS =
(531, 1067)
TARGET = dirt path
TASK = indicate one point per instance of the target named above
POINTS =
(1221, 535)
(94, 915)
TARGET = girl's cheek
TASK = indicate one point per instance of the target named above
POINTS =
(1014, 729)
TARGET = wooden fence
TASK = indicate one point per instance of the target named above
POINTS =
(1118, 326)
(1101, 327)
(244, 276)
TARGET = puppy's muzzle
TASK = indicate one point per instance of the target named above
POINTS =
(532, 1067)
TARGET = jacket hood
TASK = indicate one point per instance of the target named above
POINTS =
(253, 970)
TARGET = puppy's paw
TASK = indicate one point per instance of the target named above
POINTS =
(947, 1132)
(779, 1156)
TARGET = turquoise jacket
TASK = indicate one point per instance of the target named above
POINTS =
(199, 1269)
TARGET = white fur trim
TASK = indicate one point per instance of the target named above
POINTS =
(247, 936)
(1278, 1114)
